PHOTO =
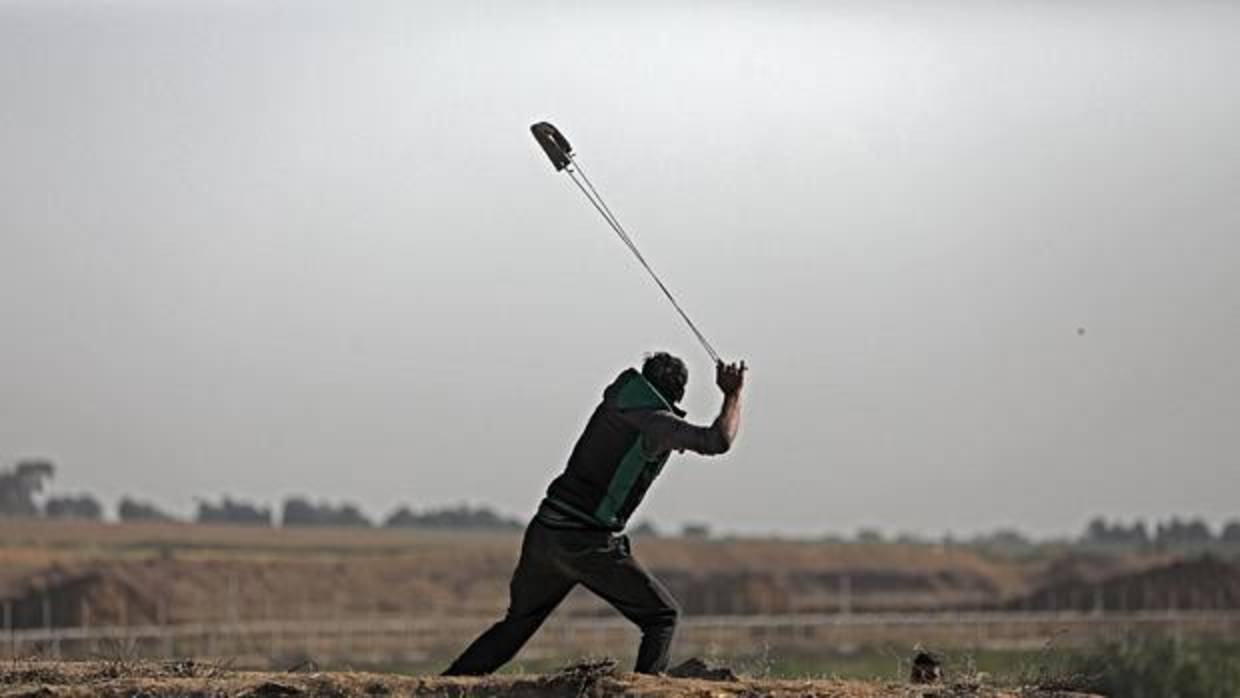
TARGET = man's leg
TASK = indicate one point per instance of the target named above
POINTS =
(536, 589)
(624, 583)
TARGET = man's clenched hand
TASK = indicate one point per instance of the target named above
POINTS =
(730, 377)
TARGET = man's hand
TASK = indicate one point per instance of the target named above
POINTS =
(730, 377)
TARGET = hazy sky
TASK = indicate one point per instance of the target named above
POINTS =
(303, 247)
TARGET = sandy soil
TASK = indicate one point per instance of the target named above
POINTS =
(190, 679)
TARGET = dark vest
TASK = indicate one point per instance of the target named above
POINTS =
(608, 472)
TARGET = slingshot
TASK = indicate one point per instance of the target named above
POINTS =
(561, 154)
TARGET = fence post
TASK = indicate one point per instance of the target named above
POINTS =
(271, 639)
(845, 594)
(8, 628)
(340, 606)
(169, 647)
(52, 636)
(88, 643)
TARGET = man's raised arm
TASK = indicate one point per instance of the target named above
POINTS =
(665, 431)
(730, 378)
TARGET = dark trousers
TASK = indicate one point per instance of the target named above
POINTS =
(553, 561)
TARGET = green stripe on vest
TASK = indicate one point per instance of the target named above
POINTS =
(636, 393)
(630, 467)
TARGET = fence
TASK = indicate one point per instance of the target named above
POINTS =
(410, 641)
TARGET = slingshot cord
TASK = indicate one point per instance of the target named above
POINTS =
(601, 206)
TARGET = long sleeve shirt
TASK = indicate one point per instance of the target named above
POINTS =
(664, 430)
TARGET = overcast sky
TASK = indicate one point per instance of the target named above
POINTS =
(304, 247)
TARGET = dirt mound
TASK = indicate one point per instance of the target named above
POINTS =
(1201, 584)
(168, 574)
(1086, 567)
(153, 681)
(154, 574)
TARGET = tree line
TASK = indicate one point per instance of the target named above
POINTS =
(22, 487)
(300, 511)
(1174, 533)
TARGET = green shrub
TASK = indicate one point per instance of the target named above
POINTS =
(1159, 667)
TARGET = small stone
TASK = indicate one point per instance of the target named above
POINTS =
(926, 668)
(697, 669)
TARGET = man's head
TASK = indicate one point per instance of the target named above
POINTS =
(667, 374)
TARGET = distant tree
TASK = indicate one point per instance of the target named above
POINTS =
(1005, 538)
(83, 507)
(1176, 533)
(403, 517)
(459, 517)
(869, 535)
(19, 486)
(133, 510)
(695, 530)
(646, 528)
(1097, 531)
(301, 512)
(350, 515)
(229, 511)
(1100, 532)
(35, 469)
(1231, 532)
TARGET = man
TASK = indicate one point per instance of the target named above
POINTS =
(575, 536)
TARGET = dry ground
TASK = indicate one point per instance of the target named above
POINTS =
(30, 679)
